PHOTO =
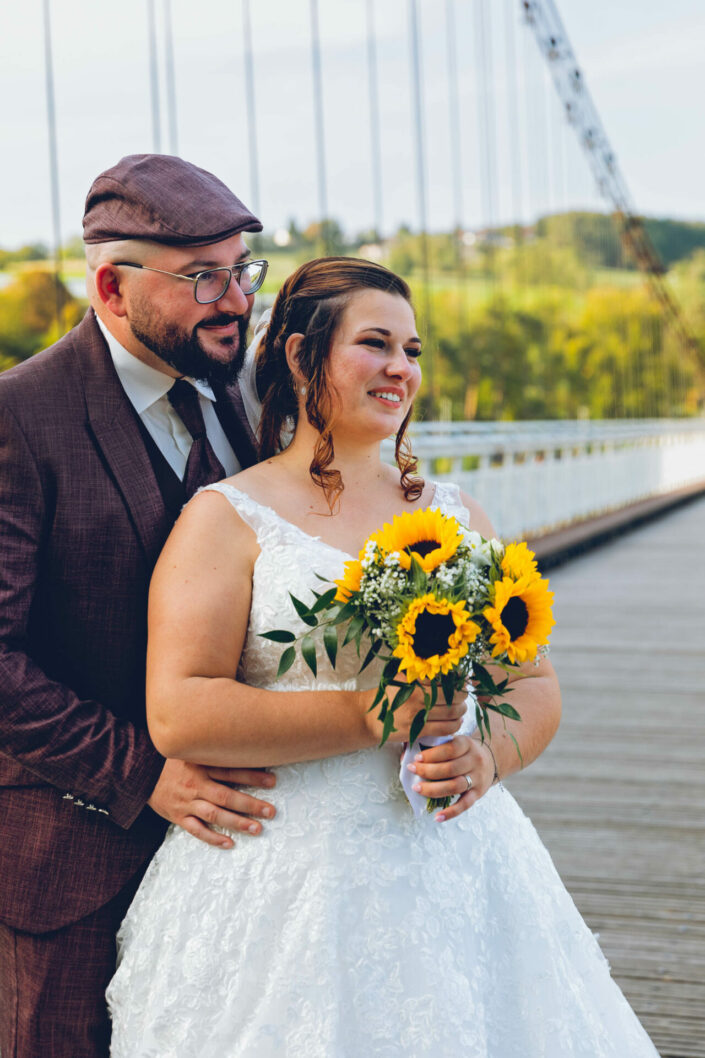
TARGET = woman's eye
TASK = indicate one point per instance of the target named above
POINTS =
(415, 353)
(375, 343)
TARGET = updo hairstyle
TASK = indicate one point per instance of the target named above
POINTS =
(312, 302)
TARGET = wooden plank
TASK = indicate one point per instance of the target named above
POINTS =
(619, 797)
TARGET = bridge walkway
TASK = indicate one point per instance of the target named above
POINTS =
(619, 796)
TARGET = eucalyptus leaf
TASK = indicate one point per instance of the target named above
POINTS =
(303, 611)
(308, 652)
(278, 636)
(324, 600)
(286, 661)
(330, 642)
(417, 726)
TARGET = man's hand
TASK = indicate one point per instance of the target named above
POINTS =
(197, 797)
(441, 721)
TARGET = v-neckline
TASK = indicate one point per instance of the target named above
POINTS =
(302, 532)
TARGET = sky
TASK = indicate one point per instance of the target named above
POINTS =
(507, 144)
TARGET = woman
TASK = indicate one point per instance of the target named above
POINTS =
(349, 929)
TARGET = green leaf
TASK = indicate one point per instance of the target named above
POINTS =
(417, 726)
(308, 652)
(448, 685)
(324, 600)
(371, 654)
(516, 744)
(419, 579)
(379, 697)
(346, 611)
(330, 642)
(278, 636)
(505, 709)
(388, 727)
(286, 661)
(354, 628)
(391, 668)
(303, 611)
(403, 694)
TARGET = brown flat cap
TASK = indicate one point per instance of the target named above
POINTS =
(165, 199)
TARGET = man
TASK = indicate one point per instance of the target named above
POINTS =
(102, 439)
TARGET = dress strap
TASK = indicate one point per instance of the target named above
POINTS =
(256, 515)
(446, 498)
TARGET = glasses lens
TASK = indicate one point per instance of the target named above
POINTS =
(212, 285)
(252, 276)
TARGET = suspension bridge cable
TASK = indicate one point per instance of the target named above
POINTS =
(170, 79)
(53, 165)
(319, 125)
(375, 136)
(487, 144)
(154, 77)
(250, 107)
(420, 152)
(456, 162)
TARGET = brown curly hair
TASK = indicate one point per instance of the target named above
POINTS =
(311, 302)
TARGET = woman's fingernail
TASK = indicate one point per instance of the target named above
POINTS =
(419, 756)
(411, 767)
(253, 828)
(416, 786)
(267, 813)
(440, 818)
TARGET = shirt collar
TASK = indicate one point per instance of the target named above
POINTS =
(144, 385)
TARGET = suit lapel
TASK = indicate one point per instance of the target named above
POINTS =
(112, 421)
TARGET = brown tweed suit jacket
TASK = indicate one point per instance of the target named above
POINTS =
(82, 522)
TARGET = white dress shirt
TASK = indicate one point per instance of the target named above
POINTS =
(147, 390)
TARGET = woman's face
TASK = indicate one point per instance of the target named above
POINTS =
(373, 365)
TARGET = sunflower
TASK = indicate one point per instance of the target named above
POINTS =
(428, 535)
(519, 561)
(434, 634)
(350, 581)
(520, 616)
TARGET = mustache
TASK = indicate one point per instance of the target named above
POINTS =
(221, 320)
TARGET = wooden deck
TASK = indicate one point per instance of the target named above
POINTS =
(619, 797)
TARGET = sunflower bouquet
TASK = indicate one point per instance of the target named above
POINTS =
(435, 603)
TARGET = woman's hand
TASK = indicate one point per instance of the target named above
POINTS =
(442, 720)
(442, 772)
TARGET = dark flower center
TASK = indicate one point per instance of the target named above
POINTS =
(515, 617)
(423, 547)
(431, 633)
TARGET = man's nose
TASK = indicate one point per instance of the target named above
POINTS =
(235, 300)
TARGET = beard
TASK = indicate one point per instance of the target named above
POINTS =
(183, 350)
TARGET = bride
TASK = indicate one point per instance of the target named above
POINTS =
(349, 929)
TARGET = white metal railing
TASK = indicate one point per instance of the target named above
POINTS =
(534, 477)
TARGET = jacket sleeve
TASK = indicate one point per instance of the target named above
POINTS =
(74, 744)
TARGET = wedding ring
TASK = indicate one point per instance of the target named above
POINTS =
(468, 780)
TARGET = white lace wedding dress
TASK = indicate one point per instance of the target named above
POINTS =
(350, 929)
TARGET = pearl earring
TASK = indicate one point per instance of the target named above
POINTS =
(303, 391)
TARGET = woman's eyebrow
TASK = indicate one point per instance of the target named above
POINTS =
(386, 333)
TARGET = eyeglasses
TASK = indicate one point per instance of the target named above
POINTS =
(211, 285)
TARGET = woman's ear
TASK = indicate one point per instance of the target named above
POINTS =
(292, 350)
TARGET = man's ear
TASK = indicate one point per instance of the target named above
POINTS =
(109, 288)
(292, 350)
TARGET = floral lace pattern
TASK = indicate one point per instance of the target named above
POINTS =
(349, 929)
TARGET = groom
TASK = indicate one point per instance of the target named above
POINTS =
(102, 439)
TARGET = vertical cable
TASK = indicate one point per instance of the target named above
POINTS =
(154, 77)
(375, 138)
(456, 162)
(170, 79)
(416, 90)
(250, 103)
(320, 132)
(53, 165)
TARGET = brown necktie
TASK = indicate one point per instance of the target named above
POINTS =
(202, 466)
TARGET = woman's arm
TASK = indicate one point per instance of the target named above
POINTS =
(536, 698)
(198, 615)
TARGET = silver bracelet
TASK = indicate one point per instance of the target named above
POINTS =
(485, 743)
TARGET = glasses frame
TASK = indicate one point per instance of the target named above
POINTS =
(235, 271)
